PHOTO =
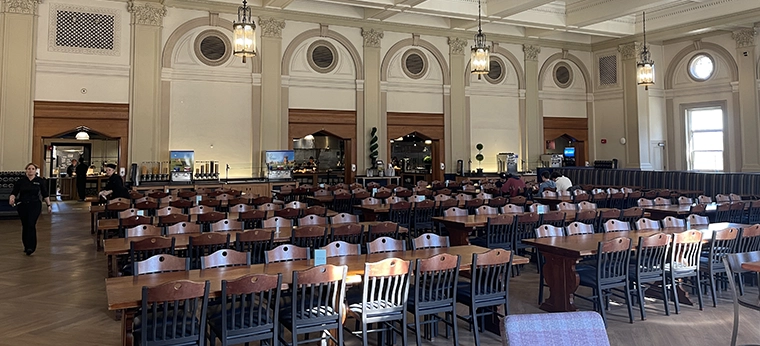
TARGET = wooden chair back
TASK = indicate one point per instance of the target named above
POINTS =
(486, 210)
(286, 253)
(183, 228)
(315, 210)
(695, 220)
(512, 208)
(163, 263)
(455, 211)
(143, 231)
(227, 225)
(673, 222)
(614, 225)
(538, 208)
(579, 228)
(344, 218)
(226, 258)
(312, 220)
(274, 222)
(385, 244)
(647, 224)
(370, 201)
(545, 231)
(240, 208)
(567, 206)
(341, 249)
(644, 202)
(430, 241)
(269, 206)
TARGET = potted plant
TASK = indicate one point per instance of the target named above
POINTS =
(428, 161)
(479, 157)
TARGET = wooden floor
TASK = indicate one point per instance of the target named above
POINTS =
(57, 296)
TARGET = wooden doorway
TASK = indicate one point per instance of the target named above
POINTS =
(340, 124)
(424, 125)
(574, 129)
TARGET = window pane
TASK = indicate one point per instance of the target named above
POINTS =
(706, 119)
(707, 161)
(707, 141)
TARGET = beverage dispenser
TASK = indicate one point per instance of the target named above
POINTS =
(507, 162)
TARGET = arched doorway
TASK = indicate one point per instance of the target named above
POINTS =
(427, 127)
(316, 133)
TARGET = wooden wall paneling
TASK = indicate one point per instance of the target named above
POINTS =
(576, 128)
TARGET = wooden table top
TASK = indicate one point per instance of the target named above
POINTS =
(125, 292)
(120, 246)
(586, 244)
(680, 209)
(105, 224)
(384, 208)
(482, 220)
(751, 266)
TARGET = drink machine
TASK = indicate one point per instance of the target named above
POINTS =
(569, 156)
(507, 162)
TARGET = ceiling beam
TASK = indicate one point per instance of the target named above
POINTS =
(585, 13)
(463, 23)
(371, 13)
(276, 3)
(506, 8)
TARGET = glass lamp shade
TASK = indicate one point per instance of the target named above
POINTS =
(82, 136)
(480, 60)
(645, 73)
(244, 36)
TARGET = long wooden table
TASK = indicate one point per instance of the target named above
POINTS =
(563, 253)
(659, 212)
(124, 293)
(372, 211)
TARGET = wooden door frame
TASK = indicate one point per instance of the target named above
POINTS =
(337, 123)
(576, 128)
(426, 126)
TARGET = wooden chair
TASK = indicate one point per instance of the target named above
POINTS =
(166, 211)
(182, 304)
(614, 225)
(721, 198)
(384, 299)
(128, 213)
(430, 241)
(309, 236)
(632, 214)
(243, 323)
(383, 229)
(312, 220)
(277, 222)
(497, 202)
(455, 211)
(344, 218)
(695, 220)
(702, 199)
(683, 200)
(317, 210)
(614, 256)
(370, 201)
(204, 245)
(607, 214)
(683, 262)
(226, 258)
(385, 244)
(256, 242)
(651, 254)
(733, 264)
(673, 222)
(518, 200)
(435, 299)
(647, 224)
(286, 253)
(545, 231)
(566, 206)
(288, 213)
(252, 218)
(143, 231)
(644, 202)
(210, 203)
(549, 194)
(486, 210)
(261, 200)
(162, 263)
(538, 208)
(199, 210)
(588, 216)
(341, 249)
(578, 228)
(269, 206)
(753, 214)
(227, 225)
(441, 197)
(401, 213)
(554, 218)
(512, 208)
(749, 239)
(499, 233)
(240, 208)
(183, 228)
(348, 232)
(463, 197)
(722, 243)
(296, 205)
(318, 313)
(586, 205)
(186, 194)
(206, 219)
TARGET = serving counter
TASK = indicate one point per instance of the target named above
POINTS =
(261, 187)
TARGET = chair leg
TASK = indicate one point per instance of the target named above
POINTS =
(699, 296)
(453, 316)
(629, 302)
(712, 289)
(601, 298)
(418, 329)
(675, 294)
(640, 289)
(741, 283)
(665, 296)
(474, 324)
(364, 333)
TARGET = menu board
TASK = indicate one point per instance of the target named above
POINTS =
(279, 163)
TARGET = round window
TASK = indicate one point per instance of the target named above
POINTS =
(496, 71)
(563, 75)
(323, 56)
(212, 47)
(414, 63)
(701, 67)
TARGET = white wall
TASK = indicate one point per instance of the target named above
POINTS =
(423, 95)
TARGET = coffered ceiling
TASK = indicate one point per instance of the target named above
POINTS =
(591, 22)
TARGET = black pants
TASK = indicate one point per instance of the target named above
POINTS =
(29, 212)
(81, 183)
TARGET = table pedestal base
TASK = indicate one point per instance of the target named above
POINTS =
(563, 280)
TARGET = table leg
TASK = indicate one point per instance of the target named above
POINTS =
(93, 217)
(126, 327)
(110, 269)
(562, 279)
(369, 215)
(458, 235)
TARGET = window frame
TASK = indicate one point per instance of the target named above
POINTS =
(690, 132)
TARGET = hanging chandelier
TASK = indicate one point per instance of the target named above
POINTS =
(244, 33)
(82, 135)
(480, 52)
(645, 65)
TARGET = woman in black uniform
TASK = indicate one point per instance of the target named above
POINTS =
(115, 185)
(28, 192)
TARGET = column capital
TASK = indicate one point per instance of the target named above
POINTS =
(271, 27)
(628, 51)
(531, 52)
(744, 38)
(372, 37)
(20, 6)
(456, 45)
(147, 13)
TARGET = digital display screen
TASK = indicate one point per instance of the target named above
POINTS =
(569, 152)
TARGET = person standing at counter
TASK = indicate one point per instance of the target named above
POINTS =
(28, 192)
(70, 169)
(81, 171)
(115, 185)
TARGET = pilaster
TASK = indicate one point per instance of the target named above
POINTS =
(373, 113)
(750, 126)
(533, 135)
(274, 115)
(631, 109)
(148, 135)
(457, 125)
(18, 28)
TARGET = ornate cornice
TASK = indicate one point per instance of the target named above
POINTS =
(21, 6)
(271, 27)
(456, 45)
(744, 37)
(628, 51)
(147, 13)
(372, 37)
(531, 52)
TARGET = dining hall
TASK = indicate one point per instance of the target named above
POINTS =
(374, 172)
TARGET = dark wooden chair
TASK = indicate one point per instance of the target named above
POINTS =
(487, 290)
(227, 225)
(342, 202)
(285, 253)
(614, 225)
(383, 300)
(186, 194)
(344, 218)
(288, 213)
(349, 232)
(163, 263)
(240, 208)
(206, 219)
(427, 301)
(649, 268)
(383, 229)
(554, 218)
(385, 244)
(579, 228)
(309, 236)
(753, 216)
(256, 242)
(252, 218)
(631, 214)
(647, 224)
(499, 233)
(181, 304)
(312, 220)
(430, 241)
(683, 262)
(497, 202)
(251, 310)
(525, 227)
(422, 217)
(277, 222)
(610, 272)
(269, 206)
(318, 313)
(226, 258)
(605, 215)
(261, 200)
(204, 245)
(340, 249)
(401, 213)
(183, 228)
(317, 210)
(143, 231)
(722, 243)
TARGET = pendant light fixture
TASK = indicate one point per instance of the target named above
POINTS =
(645, 66)
(480, 60)
(244, 33)
(82, 135)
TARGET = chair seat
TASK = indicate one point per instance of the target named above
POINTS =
(327, 312)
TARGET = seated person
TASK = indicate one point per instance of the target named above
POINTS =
(546, 182)
(563, 182)
(115, 185)
(513, 186)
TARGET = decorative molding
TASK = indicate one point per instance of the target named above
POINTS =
(53, 30)
(456, 45)
(206, 75)
(147, 13)
(744, 38)
(21, 6)
(372, 37)
(608, 95)
(628, 51)
(82, 68)
(531, 52)
(271, 27)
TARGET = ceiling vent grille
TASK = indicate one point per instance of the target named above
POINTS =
(608, 70)
(84, 30)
